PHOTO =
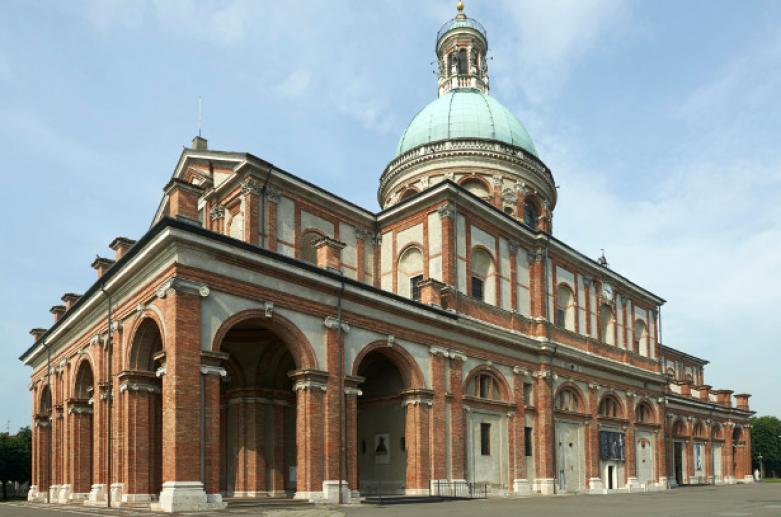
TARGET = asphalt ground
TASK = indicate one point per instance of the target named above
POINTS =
(760, 499)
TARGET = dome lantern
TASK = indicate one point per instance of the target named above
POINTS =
(461, 53)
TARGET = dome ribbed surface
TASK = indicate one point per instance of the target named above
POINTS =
(465, 113)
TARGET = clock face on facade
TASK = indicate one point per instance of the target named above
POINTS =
(607, 291)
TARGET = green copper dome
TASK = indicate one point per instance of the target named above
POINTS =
(465, 113)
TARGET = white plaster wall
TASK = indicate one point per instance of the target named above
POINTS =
(434, 233)
(522, 271)
(461, 251)
(479, 237)
(386, 261)
(368, 255)
(286, 216)
(581, 306)
(487, 468)
(504, 265)
(312, 221)
(413, 234)
(347, 236)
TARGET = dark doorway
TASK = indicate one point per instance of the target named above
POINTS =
(610, 477)
(678, 460)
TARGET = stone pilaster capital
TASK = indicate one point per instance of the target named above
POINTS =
(331, 322)
(438, 350)
(353, 391)
(541, 374)
(209, 369)
(520, 370)
(217, 212)
(535, 256)
(362, 234)
(446, 211)
(138, 386)
(513, 247)
(160, 371)
(587, 281)
(251, 186)
(176, 284)
(273, 196)
(390, 340)
(631, 394)
(497, 180)
(594, 386)
(307, 384)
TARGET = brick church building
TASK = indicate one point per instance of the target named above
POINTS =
(267, 338)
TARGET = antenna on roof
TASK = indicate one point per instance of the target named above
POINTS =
(200, 114)
(603, 260)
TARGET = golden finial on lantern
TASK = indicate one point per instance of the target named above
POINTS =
(460, 7)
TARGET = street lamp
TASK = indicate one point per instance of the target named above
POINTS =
(761, 467)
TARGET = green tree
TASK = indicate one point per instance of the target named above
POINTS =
(766, 440)
(15, 457)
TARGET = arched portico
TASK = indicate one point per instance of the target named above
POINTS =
(270, 408)
(392, 425)
(81, 432)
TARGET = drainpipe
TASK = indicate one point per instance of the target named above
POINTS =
(108, 396)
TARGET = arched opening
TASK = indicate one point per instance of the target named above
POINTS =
(308, 253)
(382, 433)
(477, 187)
(257, 412)
(235, 221)
(568, 399)
(644, 413)
(141, 392)
(410, 272)
(564, 316)
(569, 439)
(530, 214)
(42, 441)
(484, 384)
(407, 193)
(607, 325)
(483, 280)
(80, 409)
(738, 453)
(640, 338)
(610, 407)
(679, 451)
(463, 63)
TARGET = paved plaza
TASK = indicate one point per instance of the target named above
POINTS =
(725, 501)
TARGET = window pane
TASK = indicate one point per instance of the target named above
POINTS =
(527, 440)
(485, 439)
(477, 288)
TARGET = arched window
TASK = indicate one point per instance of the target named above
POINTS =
(410, 272)
(610, 408)
(565, 308)
(699, 430)
(407, 193)
(236, 222)
(530, 215)
(485, 386)
(607, 323)
(717, 432)
(483, 278)
(679, 429)
(476, 187)
(644, 413)
(568, 400)
(640, 338)
(463, 64)
(308, 251)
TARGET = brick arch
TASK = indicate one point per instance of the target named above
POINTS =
(409, 369)
(580, 399)
(493, 372)
(44, 390)
(130, 347)
(295, 340)
(684, 428)
(699, 425)
(84, 361)
(611, 395)
(648, 405)
(717, 431)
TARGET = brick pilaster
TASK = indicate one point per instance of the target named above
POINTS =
(417, 420)
(438, 423)
(545, 432)
(457, 436)
(310, 387)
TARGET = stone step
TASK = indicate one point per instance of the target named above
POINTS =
(266, 502)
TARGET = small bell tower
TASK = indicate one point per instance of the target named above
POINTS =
(461, 53)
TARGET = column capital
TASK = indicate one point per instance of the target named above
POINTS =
(209, 369)
(520, 370)
(273, 195)
(332, 322)
(251, 186)
(176, 284)
(309, 380)
(446, 211)
(217, 212)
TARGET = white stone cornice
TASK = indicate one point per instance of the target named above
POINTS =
(181, 285)
(331, 322)
(208, 369)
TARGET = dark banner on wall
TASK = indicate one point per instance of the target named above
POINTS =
(611, 445)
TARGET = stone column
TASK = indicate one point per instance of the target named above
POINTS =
(518, 438)
(457, 435)
(417, 404)
(310, 388)
(546, 462)
(183, 489)
(351, 394)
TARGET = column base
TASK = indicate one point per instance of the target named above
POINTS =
(595, 486)
(54, 492)
(309, 496)
(331, 491)
(545, 486)
(63, 494)
(78, 497)
(97, 495)
(182, 496)
(663, 483)
(34, 496)
(729, 480)
(633, 485)
(748, 479)
(117, 493)
(521, 487)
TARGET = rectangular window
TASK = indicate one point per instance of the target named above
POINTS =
(527, 440)
(558, 318)
(485, 439)
(477, 288)
(528, 399)
(414, 288)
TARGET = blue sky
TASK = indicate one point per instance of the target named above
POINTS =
(661, 122)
